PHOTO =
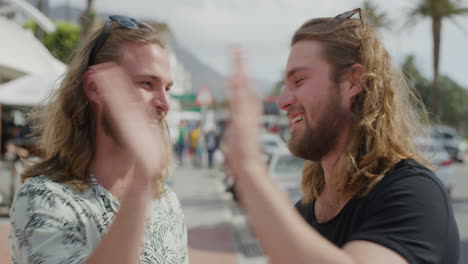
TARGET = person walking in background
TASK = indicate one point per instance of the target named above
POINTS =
(211, 144)
(368, 196)
(195, 147)
(99, 196)
(182, 140)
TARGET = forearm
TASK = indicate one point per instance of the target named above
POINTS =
(121, 244)
(283, 234)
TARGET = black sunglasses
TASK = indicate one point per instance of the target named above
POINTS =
(349, 14)
(126, 22)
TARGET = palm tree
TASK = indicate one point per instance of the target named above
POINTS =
(378, 18)
(437, 11)
(43, 6)
(87, 19)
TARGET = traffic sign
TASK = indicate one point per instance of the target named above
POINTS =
(204, 96)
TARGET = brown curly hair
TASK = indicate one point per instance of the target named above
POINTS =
(387, 113)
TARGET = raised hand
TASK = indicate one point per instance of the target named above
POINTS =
(242, 148)
(134, 126)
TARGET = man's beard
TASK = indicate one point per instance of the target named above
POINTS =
(314, 143)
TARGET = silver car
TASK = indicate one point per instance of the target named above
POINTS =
(440, 158)
(451, 141)
(286, 171)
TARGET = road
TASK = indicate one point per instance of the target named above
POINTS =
(218, 230)
(460, 207)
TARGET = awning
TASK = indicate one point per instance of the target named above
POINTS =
(21, 53)
(29, 90)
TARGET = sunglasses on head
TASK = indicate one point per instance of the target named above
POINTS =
(349, 14)
(126, 22)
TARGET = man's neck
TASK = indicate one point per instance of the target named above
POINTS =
(111, 165)
(333, 176)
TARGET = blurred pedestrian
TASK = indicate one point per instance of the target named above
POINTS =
(368, 197)
(211, 144)
(98, 196)
(195, 147)
(182, 139)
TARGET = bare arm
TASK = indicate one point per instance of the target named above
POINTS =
(287, 238)
(112, 90)
(283, 234)
(121, 244)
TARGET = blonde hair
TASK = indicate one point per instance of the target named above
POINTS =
(387, 113)
(65, 127)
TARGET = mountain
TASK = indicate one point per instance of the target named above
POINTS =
(201, 73)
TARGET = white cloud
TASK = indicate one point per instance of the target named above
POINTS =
(264, 27)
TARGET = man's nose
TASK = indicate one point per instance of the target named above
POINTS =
(161, 101)
(285, 99)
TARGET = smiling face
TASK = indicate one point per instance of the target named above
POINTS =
(149, 70)
(314, 102)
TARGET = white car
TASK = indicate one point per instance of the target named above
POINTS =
(451, 140)
(286, 171)
(271, 142)
(435, 151)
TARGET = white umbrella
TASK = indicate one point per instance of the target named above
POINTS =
(21, 53)
(29, 90)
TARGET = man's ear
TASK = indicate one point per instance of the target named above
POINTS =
(356, 72)
(89, 88)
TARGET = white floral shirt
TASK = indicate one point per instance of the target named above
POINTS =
(52, 223)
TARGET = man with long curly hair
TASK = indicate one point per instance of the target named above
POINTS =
(92, 198)
(368, 195)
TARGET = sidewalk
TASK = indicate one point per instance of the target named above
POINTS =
(5, 256)
(207, 215)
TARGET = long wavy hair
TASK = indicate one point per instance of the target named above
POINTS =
(65, 127)
(386, 114)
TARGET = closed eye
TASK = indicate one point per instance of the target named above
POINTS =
(145, 85)
(299, 81)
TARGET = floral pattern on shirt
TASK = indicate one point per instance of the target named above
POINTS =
(52, 223)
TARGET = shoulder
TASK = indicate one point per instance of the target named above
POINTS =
(171, 197)
(409, 176)
(409, 211)
(41, 194)
(410, 187)
(168, 201)
(42, 188)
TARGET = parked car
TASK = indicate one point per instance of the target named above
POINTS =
(285, 170)
(440, 159)
(271, 142)
(451, 141)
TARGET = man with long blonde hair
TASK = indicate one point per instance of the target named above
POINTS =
(93, 198)
(368, 197)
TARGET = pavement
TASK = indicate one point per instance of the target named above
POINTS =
(214, 220)
(207, 216)
(213, 235)
(5, 256)
(218, 230)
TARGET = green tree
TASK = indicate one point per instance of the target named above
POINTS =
(61, 43)
(43, 7)
(378, 18)
(453, 107)
(437, 11)
(421, 84)
(87, 19)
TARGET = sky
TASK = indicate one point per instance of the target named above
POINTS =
(207, 28)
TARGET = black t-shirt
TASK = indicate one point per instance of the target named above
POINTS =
(408, 211)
